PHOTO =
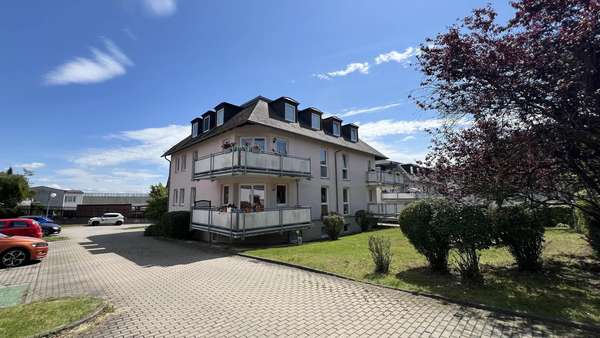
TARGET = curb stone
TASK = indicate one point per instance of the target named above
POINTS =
(527, 316)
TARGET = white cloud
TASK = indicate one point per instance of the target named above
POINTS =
(141, 146)
(407, 138)
(161, 7)
(396, 153)
(368, 110)
(362, 68)
(104, 65)
(395, 127)
(31, 166)
(400, 57)
(115, 181)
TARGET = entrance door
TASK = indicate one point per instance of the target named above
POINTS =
(252, 197)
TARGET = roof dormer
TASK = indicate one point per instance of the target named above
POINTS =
(333, 126)
(208, 121)
(350, 132)
(285, 108)
(310, 118)
(224, 111)
(196, 126)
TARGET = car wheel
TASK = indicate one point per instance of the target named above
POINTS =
(14, 257)
(119, 223)
(94, 223)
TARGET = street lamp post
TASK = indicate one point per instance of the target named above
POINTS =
(50, 196)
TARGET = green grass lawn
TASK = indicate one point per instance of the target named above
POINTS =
(54, 238)
(35, 318)
(568, 288)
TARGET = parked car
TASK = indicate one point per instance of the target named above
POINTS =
(20, 227)
(18, 250)
(108, 218)
(48, 225)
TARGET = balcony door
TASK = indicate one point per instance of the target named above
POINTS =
(252, 197)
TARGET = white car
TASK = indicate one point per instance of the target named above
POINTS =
(108, 218)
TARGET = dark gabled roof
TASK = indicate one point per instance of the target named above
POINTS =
(257, 112)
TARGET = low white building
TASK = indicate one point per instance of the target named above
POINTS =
(267, 168)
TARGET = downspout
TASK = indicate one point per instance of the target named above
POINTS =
(337, 193)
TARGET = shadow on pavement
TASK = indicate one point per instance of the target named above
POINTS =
(149, 251)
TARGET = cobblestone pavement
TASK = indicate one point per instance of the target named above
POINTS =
(168, 288)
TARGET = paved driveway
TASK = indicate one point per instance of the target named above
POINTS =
(164, 288)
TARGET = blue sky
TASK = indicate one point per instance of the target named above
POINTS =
(92, 92)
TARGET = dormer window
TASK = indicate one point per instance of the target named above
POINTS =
(290, 112)
(315, 121)
(220, 116)
(195, 129)
(353, 135)
(336, 129)
(206, 124)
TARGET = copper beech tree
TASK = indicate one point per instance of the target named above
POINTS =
(531, 86)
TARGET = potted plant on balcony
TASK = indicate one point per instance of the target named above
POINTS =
(228, 145)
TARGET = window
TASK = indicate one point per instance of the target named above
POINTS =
(315, 121)
(346, 201)
(290, 112)
(257, 142)
(184, 162)
(353, 134)
(181, 196)
(252, 197)
(195, 155)
(281, 194)
(220, 116)
(192, 196)
(370, 195)
(281, 146)
(195, 129)
(369, 165)
(175, 200)
(345, 167)
(324, 201)
(70, 199)
(225, 196)
(19, 224)
(176, 164)
(323, 163)
(206, 124)
(336, 129)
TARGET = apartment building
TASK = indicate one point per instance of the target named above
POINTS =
(267, 167)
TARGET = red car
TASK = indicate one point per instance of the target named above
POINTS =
(18, 250)
(20, 227)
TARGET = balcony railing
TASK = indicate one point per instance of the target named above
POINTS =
(241, 161)
(402, 195)
(382, 177)
(235, 223)
(390, 210)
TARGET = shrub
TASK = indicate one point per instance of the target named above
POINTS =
(153, 230)
(334, 224)
(588, 225)
(523, 233)
(552, 216)
(470, 232)
(366, 220)
(430, 237)
(175, 224)
(381, 253)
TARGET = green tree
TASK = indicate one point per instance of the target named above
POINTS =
(158, 204)
(13, 189)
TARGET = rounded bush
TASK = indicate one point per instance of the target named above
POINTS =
(334, 224)
(425, 224)
(175, 224)
(366, 220)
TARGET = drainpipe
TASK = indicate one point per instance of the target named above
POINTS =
(337, 193)
(168, 178)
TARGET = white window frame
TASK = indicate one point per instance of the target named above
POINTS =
(371, 194)
(345, 171)
(183, 162)
(253, 138)
(175, 196)
(312, 121)
(326, 203)
(220, 116)
(286, 195)
(346, 203)
(230, 194)
(276, 149)
(285, 112)
(176, 163)
(353, 135)
(205, 125)
(321, 165)
(192, 196)
(333, 129)
(181, 196)
(252, 192)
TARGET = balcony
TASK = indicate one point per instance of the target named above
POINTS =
(235, 223)
(385, 178)
(385, 210)
(243, 162)
(402, 195)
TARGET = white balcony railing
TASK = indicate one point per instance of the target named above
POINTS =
(385, 209)
(237, 224)
(402, 195)
(241, 161)
(383, 177)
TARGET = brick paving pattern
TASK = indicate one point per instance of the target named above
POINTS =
(174, 289)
